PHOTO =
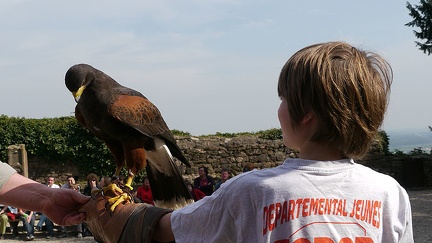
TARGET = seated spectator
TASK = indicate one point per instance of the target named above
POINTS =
(71, 184)
(92, 183)
(51, 182)
(12, 214)
(144, 192)
(104, 181)
(26, 217)
(196, 193)
(248, 167)
(225, 175)
(3, 222)
(48, 224)
(204, 182)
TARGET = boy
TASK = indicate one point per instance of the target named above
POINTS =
(333, 100)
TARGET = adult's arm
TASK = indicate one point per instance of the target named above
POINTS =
(60, 205)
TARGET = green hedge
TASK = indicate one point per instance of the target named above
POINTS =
(58, 140)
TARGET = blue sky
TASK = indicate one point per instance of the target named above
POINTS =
(209, 66)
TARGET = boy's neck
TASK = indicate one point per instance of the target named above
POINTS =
(320, 151)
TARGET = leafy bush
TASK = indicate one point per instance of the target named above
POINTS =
(383, 141)
(180, 133)
(271, 134)
(417, 151)
(398, 152)
(226, 135)
(58, 140)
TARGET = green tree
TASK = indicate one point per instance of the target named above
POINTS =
(422, 18)
(56, 140)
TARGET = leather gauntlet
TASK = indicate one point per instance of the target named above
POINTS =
(130, 222)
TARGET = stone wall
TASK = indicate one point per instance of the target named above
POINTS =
(40, 170)
(410, 171)
(216, 153)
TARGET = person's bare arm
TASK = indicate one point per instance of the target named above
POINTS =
(60, 205)
(163, 231)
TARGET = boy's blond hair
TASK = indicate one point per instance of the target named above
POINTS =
(346, 88)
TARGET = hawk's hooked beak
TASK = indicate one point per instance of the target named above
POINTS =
(77, 94)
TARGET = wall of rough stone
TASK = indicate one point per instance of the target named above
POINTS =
(410, 171)
(216, 153)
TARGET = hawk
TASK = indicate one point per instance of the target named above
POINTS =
(133, 130)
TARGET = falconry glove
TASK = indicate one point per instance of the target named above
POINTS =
(130, 222)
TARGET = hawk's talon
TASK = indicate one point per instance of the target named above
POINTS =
(131, 198)
(113, 201)
(130, 187)
(112, 187)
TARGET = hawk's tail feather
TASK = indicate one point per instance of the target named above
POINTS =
(169, 191)
(167, 184)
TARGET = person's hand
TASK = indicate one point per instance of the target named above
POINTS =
(28, 218)
(62, 206)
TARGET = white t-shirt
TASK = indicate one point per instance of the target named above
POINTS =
(300, 201)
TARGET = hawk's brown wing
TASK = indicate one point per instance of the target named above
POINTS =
(166, 181)
(138, 112)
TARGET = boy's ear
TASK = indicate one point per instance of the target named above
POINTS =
(310, 116)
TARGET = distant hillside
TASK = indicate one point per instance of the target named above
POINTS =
(409, 139)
